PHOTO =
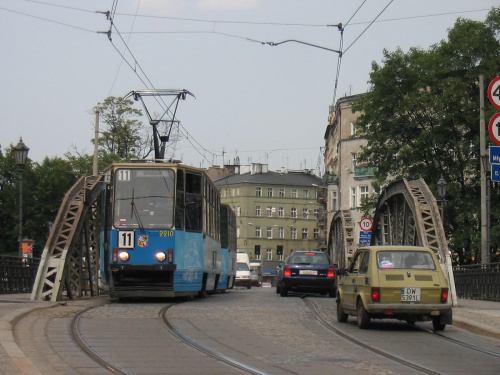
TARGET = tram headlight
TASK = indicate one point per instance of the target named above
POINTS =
(124, 256)
(160, 256)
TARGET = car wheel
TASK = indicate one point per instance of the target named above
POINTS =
(278, 289)
(341, 315)
(332, 293)
(363, 316)
(249, 286)
(284, 291)
(437, 325)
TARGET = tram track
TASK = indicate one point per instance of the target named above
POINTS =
(327, 324)
(203, 349)
(87, 349)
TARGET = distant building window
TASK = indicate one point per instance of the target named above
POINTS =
(294, 193)
(304, 233)
(316, 213)
(363, 192)
(353, 128)
(354, 157)
(258, 232)
(269, 211)
(281, 232)
(224, 193)
(293, 233)
(269, 232)
(269, 254)
(334, 201)
(354, 198)
(270, 192)
(282, 193)
(316, 233)
(305, 213)
(258, 191)
(281, 211)
(294, 212)
(238, 232)
(305, 193)
(238, 211)
(257, 210)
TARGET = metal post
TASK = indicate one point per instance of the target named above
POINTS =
(483, 158)
(95, 170)
(20, 238)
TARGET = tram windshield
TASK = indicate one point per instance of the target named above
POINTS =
(144, 198)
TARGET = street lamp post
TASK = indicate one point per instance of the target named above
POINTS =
(441, 184)
(20, 156)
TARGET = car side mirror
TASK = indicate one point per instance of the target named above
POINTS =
(341, 271)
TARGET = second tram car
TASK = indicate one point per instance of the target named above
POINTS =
(162, 232)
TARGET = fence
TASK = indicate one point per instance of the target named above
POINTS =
(478, 281)
(17, 276)
(473, 282)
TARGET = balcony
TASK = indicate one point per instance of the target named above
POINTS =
(331, 178)
(363, 171)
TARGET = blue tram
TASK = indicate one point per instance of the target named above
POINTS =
(162, 232)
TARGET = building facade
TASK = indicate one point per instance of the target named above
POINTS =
(347, 181)
(276, 212)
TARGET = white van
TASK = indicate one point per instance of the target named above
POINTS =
(242, 270)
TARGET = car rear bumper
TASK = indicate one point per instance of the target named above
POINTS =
(308, 284)
(418, 311)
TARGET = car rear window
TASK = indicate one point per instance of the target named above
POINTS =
(309, 258)
(405, 259)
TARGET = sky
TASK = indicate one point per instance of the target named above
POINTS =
(258, 102)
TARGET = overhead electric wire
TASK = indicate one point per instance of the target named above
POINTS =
(367, 27)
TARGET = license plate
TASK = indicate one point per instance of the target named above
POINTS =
(410, 294)
(308, 272)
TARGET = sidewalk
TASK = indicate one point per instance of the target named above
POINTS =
(479, 317)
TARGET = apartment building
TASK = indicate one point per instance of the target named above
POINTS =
(276, 212)
(347, 181)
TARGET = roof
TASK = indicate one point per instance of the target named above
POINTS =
(271, 178)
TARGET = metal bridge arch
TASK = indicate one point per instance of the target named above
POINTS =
(70, 259)
(406, 214)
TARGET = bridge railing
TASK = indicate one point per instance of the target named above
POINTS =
(17, 275)
(478, 281)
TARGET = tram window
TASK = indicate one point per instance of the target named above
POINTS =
(194, 202)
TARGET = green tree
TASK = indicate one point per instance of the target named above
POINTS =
(121, 133)
(421, 120)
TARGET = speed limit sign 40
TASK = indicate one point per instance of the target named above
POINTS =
(494, 92)
(366, 224)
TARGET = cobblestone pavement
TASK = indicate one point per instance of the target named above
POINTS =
(271, 325)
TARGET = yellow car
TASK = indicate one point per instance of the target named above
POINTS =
(394, 282)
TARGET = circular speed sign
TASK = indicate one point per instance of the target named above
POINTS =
(366, 224)
(494, 128)
(494, 92)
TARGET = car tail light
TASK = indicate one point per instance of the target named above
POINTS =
(287, 271)
(388, 312)
(330, 273)
(376, 294)
(444, 294)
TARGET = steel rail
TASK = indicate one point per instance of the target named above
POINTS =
(227, 360)
(312, 306)
(78, 339)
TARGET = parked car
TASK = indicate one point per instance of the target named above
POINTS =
(243, 270)
(394, 282)
(307, 272)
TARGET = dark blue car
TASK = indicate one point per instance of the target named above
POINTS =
(307, 272)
